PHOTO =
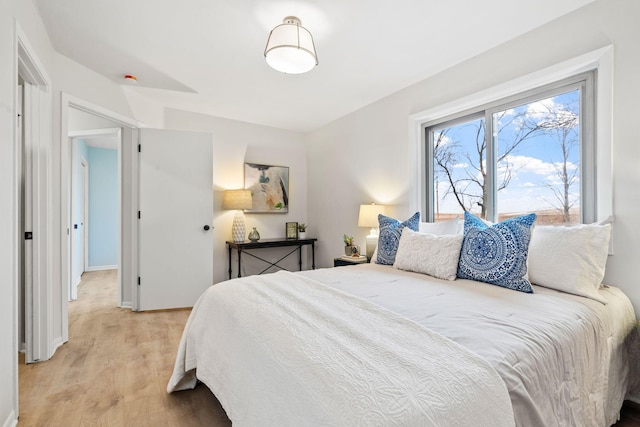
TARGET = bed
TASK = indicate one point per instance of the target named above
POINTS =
(373, 345)
(562, 358)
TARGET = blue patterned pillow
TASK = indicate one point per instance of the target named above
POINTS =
(496, 254)
(390, 232)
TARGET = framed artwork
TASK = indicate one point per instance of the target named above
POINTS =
(292, 230)
(269, 187)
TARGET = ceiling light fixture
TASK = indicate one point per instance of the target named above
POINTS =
(290, 48)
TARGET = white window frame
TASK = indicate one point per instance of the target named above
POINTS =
(600, 60)
(585, 82)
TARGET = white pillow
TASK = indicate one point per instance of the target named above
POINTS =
(570, 259)
(453, 226)
(429, 254)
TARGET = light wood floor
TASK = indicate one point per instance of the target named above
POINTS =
(114, 369)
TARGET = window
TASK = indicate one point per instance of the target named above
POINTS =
(529, 153)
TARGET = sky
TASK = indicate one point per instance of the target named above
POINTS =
(532, 166)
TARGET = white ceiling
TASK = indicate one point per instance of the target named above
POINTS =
(207, 55)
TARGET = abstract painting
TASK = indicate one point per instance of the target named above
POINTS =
(269, 187)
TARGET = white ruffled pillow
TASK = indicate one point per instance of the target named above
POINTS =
(570, 259)
(453, 226)
(429, 254)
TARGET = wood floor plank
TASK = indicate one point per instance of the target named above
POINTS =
(114, 369)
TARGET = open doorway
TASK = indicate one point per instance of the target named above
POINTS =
(80, 119)
(95, 146)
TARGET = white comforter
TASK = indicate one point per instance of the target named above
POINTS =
(563, 358)
(283, 349)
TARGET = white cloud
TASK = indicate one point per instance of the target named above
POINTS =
(540, 109)
(445, 139)
(526, 164)
(547, 110)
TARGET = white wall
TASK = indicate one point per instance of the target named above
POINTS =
(8, 297)
(103, 208)
(371, 148)
(25, 13)
(235, 143)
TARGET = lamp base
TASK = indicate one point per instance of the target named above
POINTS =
(238, 231)
(372, 242)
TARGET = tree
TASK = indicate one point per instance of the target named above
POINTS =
(563, 125)
(471, 189)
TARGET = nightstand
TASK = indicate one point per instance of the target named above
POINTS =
(343, 260)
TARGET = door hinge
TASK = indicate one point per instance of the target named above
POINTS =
(28, 235)
(138, 214)
(138, 280)
(139, 148)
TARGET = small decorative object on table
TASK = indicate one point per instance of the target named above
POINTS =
(349, 248)
(254, 236)
(349, 260)
(292, 230)
(302, 231)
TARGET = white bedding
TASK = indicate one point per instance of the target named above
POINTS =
(561, 357)
(285, 350)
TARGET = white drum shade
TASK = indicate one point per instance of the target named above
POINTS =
(290, 48)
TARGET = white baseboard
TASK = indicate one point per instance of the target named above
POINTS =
(11, 420)
(102, 267)
(55, 345)
(126, 304)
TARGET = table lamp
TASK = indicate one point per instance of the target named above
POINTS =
(368, 217)
(237, 200)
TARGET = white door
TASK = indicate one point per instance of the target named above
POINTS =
(175, 243)
(79, 196)
(35, 256)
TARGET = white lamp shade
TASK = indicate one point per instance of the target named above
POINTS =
(290, 48)
(237, 199)
(368, 216)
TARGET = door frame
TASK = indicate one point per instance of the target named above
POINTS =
(85, 213)
(82, 246)
(73, 137)
(127, 173)
(38, 295)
